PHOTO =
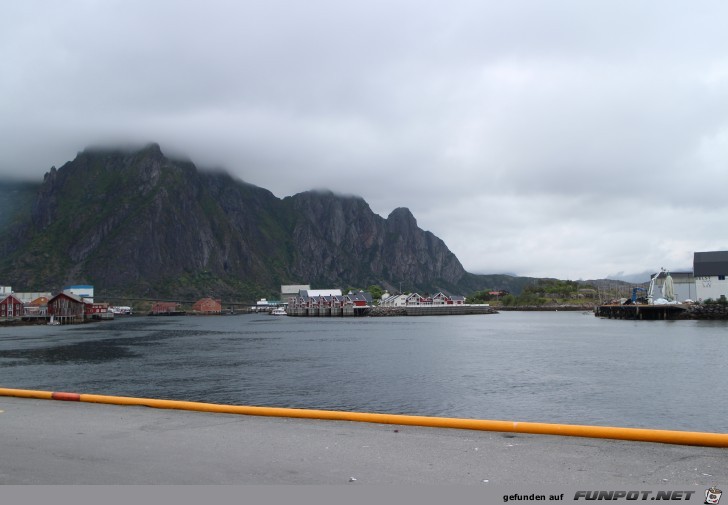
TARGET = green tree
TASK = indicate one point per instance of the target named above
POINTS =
(376, 292)
(480, 297)
(509, 300)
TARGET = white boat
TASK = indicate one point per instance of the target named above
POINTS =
(121, 310)
(53, 321)
(280, 311)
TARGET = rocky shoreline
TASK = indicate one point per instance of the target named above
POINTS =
(707, 311)
(548, 308)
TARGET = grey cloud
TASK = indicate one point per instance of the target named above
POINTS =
(527, 134)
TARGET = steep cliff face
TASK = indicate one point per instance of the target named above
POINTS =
(137, 222)
(333, 238)
(419, 255)
(339, 239)
(140, 222)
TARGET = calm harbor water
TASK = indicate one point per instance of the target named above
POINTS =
(560, 367)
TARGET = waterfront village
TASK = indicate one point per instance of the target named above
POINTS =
(75, 304)
(699, 294)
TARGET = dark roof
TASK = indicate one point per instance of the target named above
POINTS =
(710, 263)
(361, 296)
(75, 298)
(18, 300)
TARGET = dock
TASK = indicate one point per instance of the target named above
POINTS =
(642, 312)
(354, 311)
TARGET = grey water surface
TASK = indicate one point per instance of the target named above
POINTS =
(555, 367)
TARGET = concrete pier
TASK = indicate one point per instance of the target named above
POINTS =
(57, 442)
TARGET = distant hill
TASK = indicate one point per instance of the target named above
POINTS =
(136, 223)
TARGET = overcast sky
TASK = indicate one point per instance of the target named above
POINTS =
(562, 138)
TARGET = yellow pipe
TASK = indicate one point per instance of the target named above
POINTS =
(27, 393)
(571, 430)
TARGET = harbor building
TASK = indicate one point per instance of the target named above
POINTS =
(329, 302)
(83, 291)
(710, 269)
(683, 286)
(289, 290)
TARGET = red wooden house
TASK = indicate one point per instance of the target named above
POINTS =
(11, 306)
(67, 306)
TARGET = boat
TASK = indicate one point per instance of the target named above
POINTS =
(279, 311)
(53, 321)
(121, 310)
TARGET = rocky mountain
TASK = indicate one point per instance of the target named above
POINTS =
(137, 223)
(16, 197)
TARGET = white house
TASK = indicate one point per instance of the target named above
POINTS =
(394, 301)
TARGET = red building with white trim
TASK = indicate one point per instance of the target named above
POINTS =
(11, 306)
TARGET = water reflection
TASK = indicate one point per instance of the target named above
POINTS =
(81, 352)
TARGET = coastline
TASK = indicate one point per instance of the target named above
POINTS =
(548, 308)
